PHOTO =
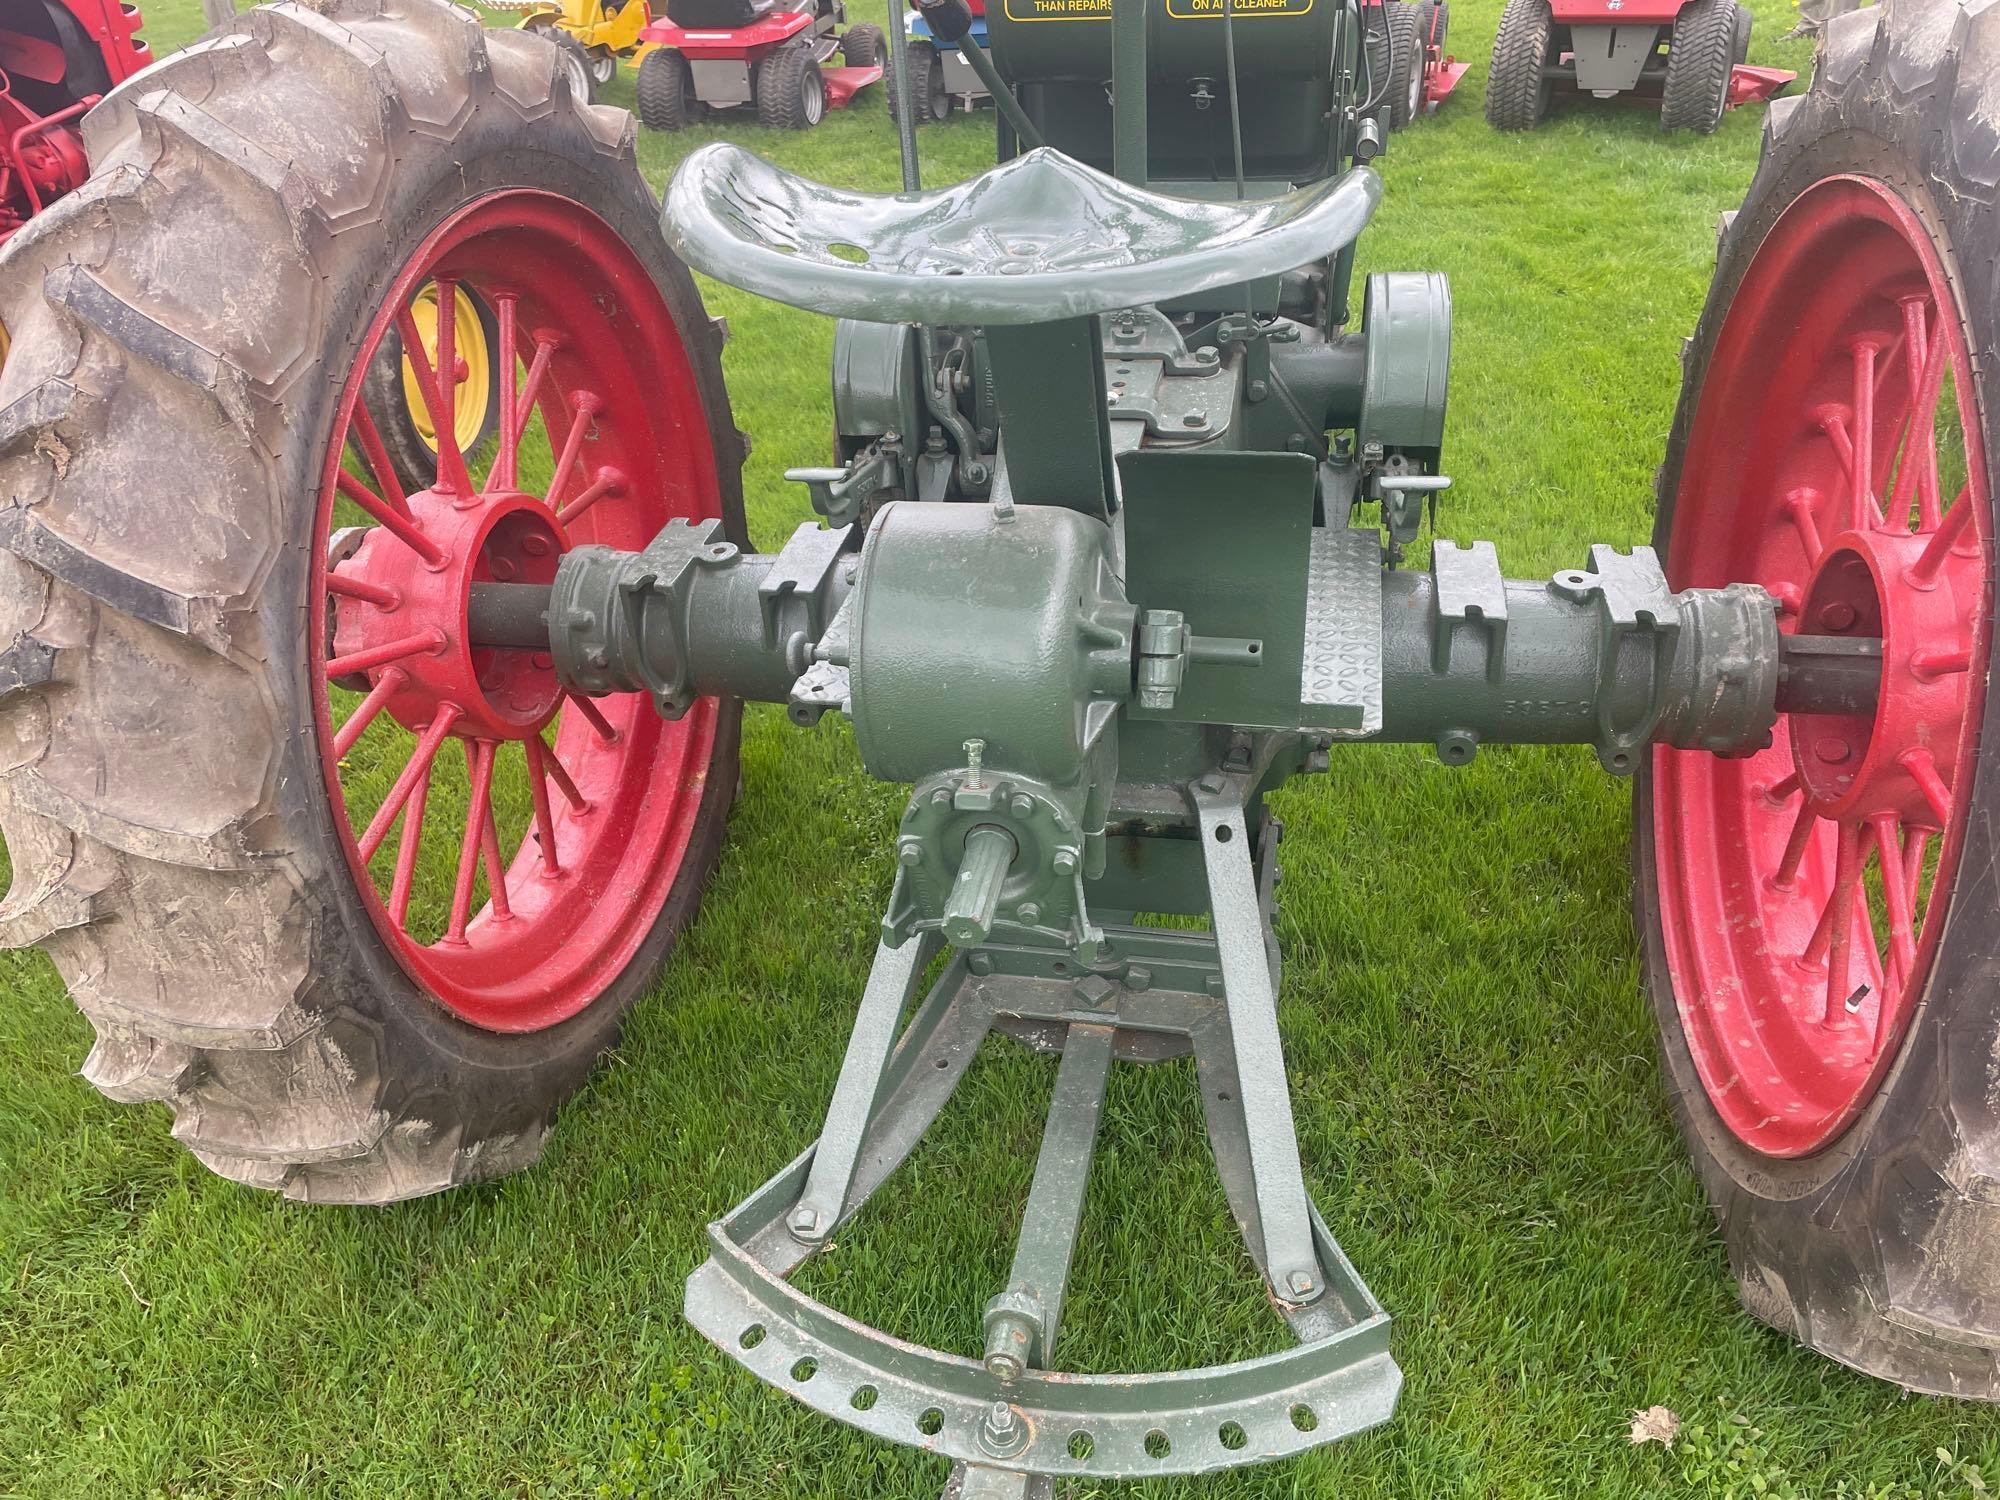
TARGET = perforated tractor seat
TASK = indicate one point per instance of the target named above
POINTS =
(724, 15)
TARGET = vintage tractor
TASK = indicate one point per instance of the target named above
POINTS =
(355, 814)
(57, 59)
(1691, 55)
(773, 56)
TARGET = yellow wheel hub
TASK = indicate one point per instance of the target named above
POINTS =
(474, 391)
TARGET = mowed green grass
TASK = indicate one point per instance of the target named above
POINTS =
(1474, 1070)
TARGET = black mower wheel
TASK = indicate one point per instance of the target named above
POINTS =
(396, 404)
(666, 92)
(176, 810)
(1406, 64)
(1851, 1152)
(1699, 59)
(1517, 95)
(576, 65)
(864, 46)
(791, 94)
(1433, 25)
(1745, 24)
(934, 104)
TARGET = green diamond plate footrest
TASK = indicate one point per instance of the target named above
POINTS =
(1132, 1426)
(1034, 240)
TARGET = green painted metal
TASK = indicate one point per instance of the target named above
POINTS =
(1116, 524)
(1006, 247)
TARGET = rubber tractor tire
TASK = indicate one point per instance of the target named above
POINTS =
(791, 94)
(933, 103)
(1745, 24)
(1700, 57)
(1406, 64)
(666, 92)
(1817, 918)
(864, 46)
(397, 407)
(185, 778)
(1517, 93)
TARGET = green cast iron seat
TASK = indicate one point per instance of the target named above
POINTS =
(1034, 240)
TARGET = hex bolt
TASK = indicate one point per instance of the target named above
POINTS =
(910, 850)
(805, 1226)
(1064, 862)
(1022, 804)
(1009, 1342)
(1030, 913)
(1302, 1284)
(1003, 1433)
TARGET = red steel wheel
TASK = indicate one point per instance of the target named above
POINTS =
(1817, 919)
(573, 884)
(1830, 463)
(283, 685)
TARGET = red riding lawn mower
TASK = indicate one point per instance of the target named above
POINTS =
(57, 58)
(772, 55)
(1406, 39)
(1690, 55)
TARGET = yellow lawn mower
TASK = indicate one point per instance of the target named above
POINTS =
(395, 397)
(591, 35)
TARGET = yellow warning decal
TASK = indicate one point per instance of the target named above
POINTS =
(1060, 10)
(1209, 10)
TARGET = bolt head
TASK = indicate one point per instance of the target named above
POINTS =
(910, 851)
(1022, 804)
(1005, 1368)
(804, 1221)
(1064, 862)
(1030, 913)
(1300, 1283)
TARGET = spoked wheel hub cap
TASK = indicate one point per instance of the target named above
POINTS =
(514, 847)
(1835, 459)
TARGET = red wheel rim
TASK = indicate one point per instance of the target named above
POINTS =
(516, 874)
(1802, 890)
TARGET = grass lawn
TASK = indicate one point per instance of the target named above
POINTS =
(1475, 1072)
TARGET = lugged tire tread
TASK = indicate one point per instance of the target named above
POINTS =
(1883, 1251)
(173, 910)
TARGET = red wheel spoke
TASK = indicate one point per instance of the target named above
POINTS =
(348, 586)
(1932, 663)
(489, 836)
(1784, 791)
(545, 350)
(1795, 848)
(585, 411)
(1943, 542)
(409, 845)
(417, 768)
(1924, 772)
(364, 713)
(1839, 921)
(396, 522)
(1864, 512)
(388, 651)
(1916, 841)
(477, 812)
(1919, 433)
(1799, 505)
(561, 778)
(377, 458)
(607, 482)
(591, 712)
(538, 789)
(1896, 897)
(452, 477)
(506, 462)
